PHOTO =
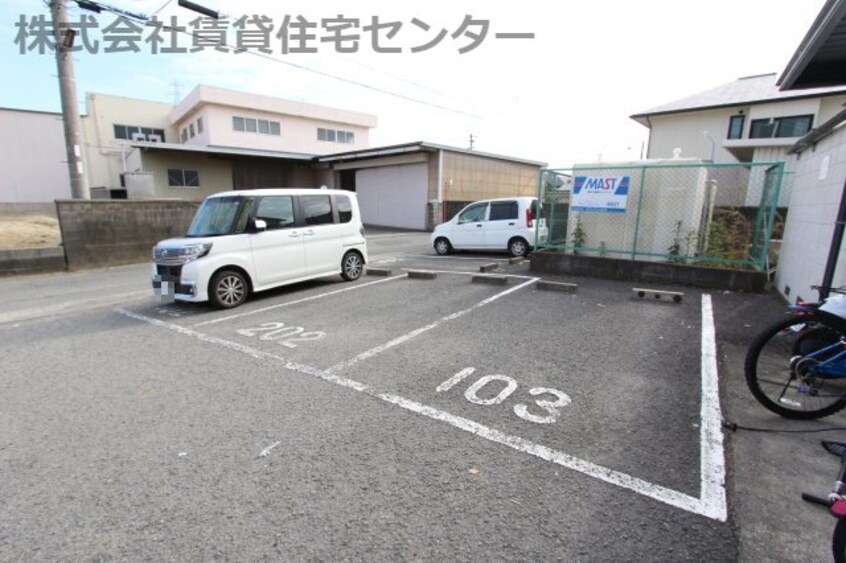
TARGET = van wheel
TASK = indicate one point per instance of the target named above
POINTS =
(518, 247)
(442, 246)
(352, 266)
(227, 289)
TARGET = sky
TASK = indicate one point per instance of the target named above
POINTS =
(561, 97)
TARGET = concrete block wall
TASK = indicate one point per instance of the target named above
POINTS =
(98, 233)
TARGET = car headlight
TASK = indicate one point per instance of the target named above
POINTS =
(170, 256)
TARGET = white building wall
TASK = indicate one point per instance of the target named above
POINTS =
(32, 157)
(299, 121)
(687, 132)
(297, 134)
(818, 186)
(829, 107)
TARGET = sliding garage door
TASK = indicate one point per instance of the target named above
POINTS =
(393, 196)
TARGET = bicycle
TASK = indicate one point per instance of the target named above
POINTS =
(797, 367)
(835, 502)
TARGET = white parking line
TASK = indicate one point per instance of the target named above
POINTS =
(417, 332)
(477, 259)
(708, 507)
(303, 300)
(712, 457)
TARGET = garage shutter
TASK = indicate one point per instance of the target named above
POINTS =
(393, 196)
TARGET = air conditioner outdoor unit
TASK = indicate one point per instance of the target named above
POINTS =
(153, 138)
(139, 137)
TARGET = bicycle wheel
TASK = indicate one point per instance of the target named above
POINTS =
(838, 541)
(786, 367)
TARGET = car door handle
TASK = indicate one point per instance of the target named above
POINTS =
(479, 226)
(510, 224)
(294, 235)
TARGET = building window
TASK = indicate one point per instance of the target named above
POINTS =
(184, 135)
(334, 136)
(191, 132)
(251, 125)
(736, 126)
(136, 133)
(199, 126)
(780, 127)
(179, 178)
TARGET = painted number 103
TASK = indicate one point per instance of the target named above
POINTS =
(546, 409)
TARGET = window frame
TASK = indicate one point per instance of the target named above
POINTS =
(732, 120)
(186, 176)
(775, 123)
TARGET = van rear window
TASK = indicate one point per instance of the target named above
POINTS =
(503, 210)
(344, 208)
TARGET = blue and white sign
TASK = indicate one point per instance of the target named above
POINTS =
(602, 194)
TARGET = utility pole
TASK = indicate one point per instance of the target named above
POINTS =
(67, 89)
(472, 141)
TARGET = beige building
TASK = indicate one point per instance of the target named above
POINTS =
(420, 185)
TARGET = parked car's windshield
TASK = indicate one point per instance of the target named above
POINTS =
(215, 216)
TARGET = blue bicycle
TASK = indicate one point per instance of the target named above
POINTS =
(797, 367)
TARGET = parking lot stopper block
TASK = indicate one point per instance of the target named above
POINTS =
(421, 275)
(384, 272)
(557, 286)
(493, 280)
(488, 267)
(643, 293)
(516, 260)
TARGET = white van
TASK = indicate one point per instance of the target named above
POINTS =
(506, 224)
(245, 241)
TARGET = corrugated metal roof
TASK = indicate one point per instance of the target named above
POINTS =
(418, 146)
(743, 91)
(230, 151)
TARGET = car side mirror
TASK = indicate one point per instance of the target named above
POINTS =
(260, 225)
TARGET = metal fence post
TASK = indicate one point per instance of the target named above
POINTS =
(639, 206)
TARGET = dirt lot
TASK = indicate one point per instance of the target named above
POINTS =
(28, 231)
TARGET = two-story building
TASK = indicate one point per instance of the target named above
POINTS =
(747, 120)
(217, 139)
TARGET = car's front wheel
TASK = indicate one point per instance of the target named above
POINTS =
(442, 246)
(228, 289)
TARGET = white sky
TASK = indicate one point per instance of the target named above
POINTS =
(563, 97)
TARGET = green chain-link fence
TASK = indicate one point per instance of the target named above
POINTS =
(708, 214)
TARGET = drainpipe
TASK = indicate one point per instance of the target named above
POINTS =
(834, 251)
(440, 185)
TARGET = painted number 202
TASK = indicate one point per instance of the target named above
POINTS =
(551, 405)
(289, 336)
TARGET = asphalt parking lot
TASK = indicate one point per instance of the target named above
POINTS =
(390, 418)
